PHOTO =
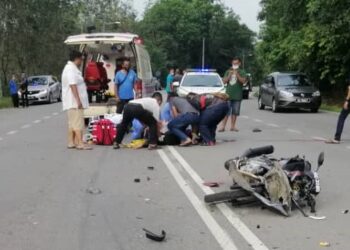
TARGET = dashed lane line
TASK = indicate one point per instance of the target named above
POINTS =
(12, 132)
(1, 139)
(46, 117)
(37, 121)
(348, 147)
(221, 236)
(258, 120)
(273, 125)
(294, 131)
(231, 216)
(26, 126)
(54, 113)
(245, 117)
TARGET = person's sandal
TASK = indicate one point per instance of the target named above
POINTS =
(116, 145)
(83, 147)
(152, 147)
(71, 146)
(186, 143)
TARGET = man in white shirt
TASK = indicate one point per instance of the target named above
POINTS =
(74, 100)
(147, 111)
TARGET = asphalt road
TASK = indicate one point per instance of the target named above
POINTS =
(44, 204)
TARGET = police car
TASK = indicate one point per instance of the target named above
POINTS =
(199, 81)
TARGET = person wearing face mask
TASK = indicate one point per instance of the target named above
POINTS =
(234, 80)
(125, 84)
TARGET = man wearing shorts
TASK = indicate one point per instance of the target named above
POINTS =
(234, 79)
(74, 100)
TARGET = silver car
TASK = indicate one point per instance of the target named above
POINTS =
(45, 88)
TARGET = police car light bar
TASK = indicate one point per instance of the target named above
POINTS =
(202, 70)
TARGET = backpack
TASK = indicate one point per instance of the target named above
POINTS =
(104, 132)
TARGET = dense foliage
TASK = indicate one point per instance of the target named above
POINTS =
(174, 31)
(307, 35)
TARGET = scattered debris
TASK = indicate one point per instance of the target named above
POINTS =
(257, 130)
(148, 178)
(346, 211)
(147, 200)
(92, 190)
(137, 180)
(139, 218)
(211, 184)
(155, 237)
(258, 226)
(150, 168)
(325, 244)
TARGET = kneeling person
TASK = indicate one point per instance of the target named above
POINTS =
(147, 111)
(184, 115)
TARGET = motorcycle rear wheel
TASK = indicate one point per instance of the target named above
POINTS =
(226, 196)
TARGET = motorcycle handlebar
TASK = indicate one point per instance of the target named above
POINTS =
(254, 152)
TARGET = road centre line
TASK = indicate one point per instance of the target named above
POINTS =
(294, 131)
(231, 216)
(26, 126)
(12, 132)
(273, 125)
(222, 237)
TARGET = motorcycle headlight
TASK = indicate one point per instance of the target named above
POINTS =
(287, 94)
(316, 93)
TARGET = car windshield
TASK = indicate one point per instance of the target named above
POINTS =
(202, 80)
(293, 80)
(35, 81)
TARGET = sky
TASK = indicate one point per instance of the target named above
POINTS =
(246, 9)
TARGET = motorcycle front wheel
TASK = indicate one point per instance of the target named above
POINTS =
(226, 196)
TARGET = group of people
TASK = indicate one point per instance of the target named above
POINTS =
(19, 85)
(192, 119)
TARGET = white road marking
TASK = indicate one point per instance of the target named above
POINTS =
(273, 125)
(222, 237)
(235, 221)
(294, 131)
(46, 117)
(319, 138)
(1, 139)
(55, 113)
(258, 120)
(12, 132)
(348, 147)
(26, 126)
(244, 117)
(37, 121)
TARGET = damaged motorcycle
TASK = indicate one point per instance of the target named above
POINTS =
(277, 183)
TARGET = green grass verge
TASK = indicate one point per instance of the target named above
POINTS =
(5, 102)
(330, 107)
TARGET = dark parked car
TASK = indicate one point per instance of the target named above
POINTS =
(289, 90)
(247, 87)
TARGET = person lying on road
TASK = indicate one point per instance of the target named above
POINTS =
(147, 111)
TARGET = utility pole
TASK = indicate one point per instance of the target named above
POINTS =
(203, 54)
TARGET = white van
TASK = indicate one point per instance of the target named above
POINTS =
(110, 49)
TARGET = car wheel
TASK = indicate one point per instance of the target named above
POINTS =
(50, 98)
(274, 106)
(314, 110)
(260, 104)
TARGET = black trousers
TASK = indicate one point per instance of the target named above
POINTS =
(24, 97)
(341, 121)
(136, 111)
(15, 100)
(121, 104)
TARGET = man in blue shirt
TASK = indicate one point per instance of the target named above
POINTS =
(14, 91)
(125, 80)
